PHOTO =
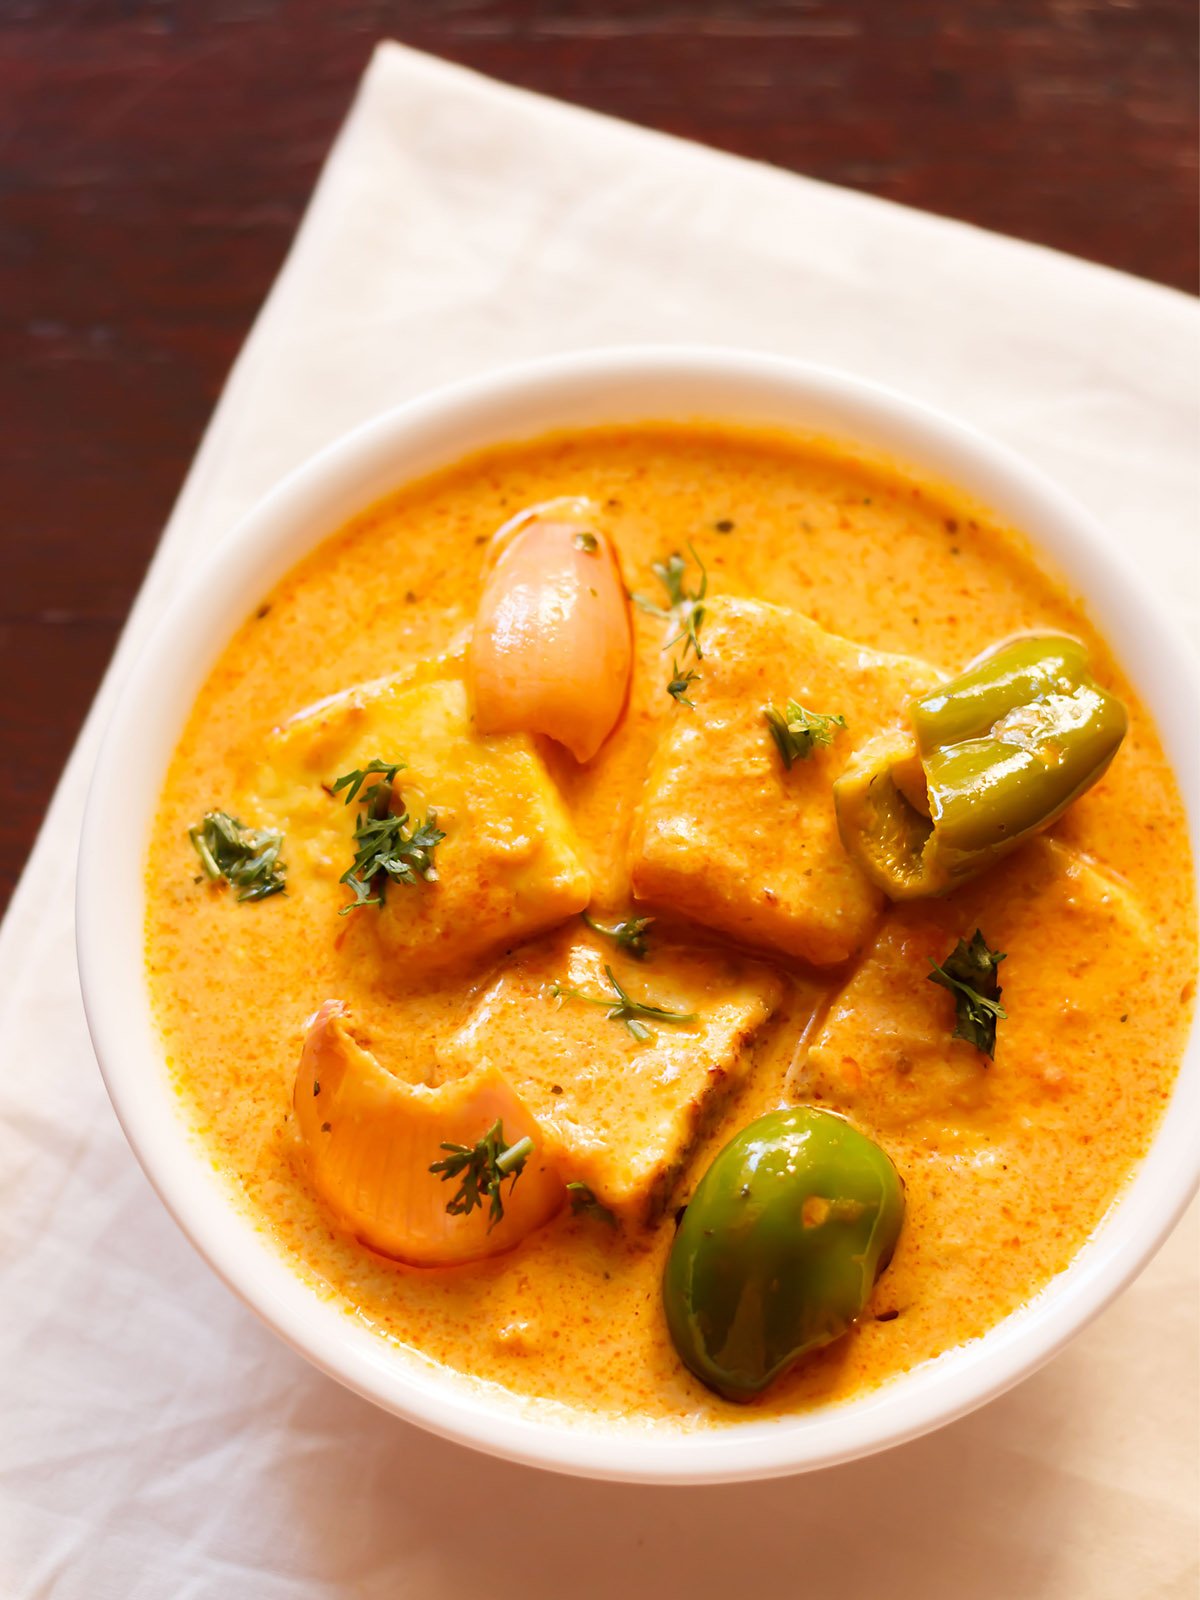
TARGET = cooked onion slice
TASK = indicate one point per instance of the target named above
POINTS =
(371, 1140)
(552, 646)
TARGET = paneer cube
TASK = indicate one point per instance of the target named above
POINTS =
(507, 867)
(620, 1114)
(885, 1052)
(730, 837)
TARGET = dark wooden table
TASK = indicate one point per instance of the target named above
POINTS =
(156, 157)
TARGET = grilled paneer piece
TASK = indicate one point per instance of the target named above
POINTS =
(728, 833)
(619, 1113)
(507, 865)
(886, 1052)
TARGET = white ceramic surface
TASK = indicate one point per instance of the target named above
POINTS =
(578, 390)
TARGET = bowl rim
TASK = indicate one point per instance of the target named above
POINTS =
(440, 427)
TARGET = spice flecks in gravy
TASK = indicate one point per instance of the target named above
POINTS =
(1005, 1180)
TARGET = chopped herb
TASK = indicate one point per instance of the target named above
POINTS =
(587, 542)
(692, 613)
(385, 852)
(624, 1008)
(969, 973)
(725, 525)
(482, 1170)
(680, 683)
(651, 607)
(352, 782)
(585, 1204)
(247, 859)
(797, 732)
(326, 1127)
(629, 935)
(687, 606)
(670, 574)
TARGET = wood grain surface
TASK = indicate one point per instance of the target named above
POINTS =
(155, 159)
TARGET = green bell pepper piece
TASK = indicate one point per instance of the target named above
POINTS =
(1003, 750)
(779, 1248)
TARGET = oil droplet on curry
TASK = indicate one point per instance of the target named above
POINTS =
(681, 923)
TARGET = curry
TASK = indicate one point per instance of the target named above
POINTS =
(673, 921)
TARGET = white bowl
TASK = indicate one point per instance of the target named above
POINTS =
(576, 391)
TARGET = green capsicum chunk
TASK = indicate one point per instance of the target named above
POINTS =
(779, 1248)
(995, 755)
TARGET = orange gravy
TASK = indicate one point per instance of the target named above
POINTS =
(995, 1208)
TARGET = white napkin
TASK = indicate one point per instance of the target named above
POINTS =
(155, 1440)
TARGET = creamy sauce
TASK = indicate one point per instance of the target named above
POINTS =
(1004, 1186)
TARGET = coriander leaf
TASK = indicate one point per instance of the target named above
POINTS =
(482, 1169)
(587, 542)
(670, 574)
(680, 683)
(686, 605)
(689, 602)
(683, 602)
(585, 1204)
(969, 973)
(629, 935)
(247, 859)
(352, 782)
(624, 1008)
(797, 732)
(650, 607)
(384, 852)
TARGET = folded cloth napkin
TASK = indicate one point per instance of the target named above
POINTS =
(156, 1440)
